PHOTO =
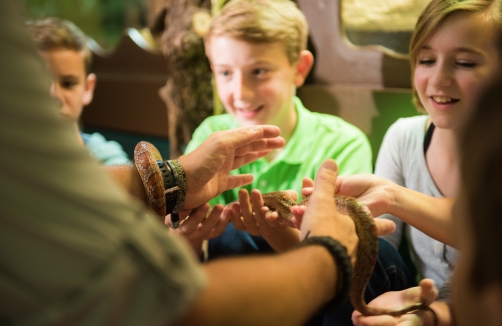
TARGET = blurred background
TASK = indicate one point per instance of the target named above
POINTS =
(103, 20)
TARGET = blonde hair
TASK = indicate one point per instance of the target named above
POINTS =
(435, 13)
(262, 21)
(54, 34)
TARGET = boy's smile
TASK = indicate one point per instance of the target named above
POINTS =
(256, 82)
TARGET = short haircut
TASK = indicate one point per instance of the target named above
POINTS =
(54, 34)
(481, 162)
(263, 21)
(435, 13)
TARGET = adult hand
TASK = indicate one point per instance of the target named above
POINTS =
(426, 292)
(207, 169)
(321, 217)
(369, 189)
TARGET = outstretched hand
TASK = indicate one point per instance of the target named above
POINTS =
(207, 168)
(426, 293)
(366, 188)
(200, 224)
(321, 217)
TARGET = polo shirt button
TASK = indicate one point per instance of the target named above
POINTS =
(263, 183)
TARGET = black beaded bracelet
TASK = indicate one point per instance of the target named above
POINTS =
(343, 266)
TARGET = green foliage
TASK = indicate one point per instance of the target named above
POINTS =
(103, 20)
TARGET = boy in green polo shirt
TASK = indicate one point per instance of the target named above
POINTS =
(257, 50)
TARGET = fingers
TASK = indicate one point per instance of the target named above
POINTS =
(384, 226)
(321, 217)
(253, 138)
(307, 187)
(235, 181)
(259, 146)
(429, 291)
(325, 180)
(298, 212)
(247, 211)
(198, 225)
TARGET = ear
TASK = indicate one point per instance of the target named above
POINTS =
(90, 84)
(303, 66)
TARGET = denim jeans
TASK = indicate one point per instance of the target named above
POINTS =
(390, 273)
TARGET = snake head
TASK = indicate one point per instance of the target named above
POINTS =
(280, 202)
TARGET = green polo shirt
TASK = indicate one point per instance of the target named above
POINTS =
(316, 137)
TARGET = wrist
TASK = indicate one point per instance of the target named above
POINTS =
(394, 201)
(428, 317)
(342, 264)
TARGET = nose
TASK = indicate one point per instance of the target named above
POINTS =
(55, 90)
(442, 75)
(242, 88)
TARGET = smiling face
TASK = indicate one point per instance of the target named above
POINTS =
(71, 84)
(256, 82)
(452, 65)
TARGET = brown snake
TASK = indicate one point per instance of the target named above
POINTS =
(367, 251)
(146, 155)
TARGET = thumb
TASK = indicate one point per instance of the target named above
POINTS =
(429, 291)
(325, 180)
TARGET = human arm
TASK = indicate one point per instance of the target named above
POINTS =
(426, 292)
(301, 280)
(207, 169)
(431, 215)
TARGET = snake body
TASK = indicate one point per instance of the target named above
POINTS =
(367, 251)
(146, 157)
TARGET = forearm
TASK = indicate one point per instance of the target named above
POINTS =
(283, 239)
(432, 216)
(279, 290)
(128, 177)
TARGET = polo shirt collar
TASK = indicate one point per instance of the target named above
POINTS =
(302, 138)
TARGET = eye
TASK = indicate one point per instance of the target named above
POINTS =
(426, 62)
(466, 64)
(68, 83)
(224, 73)
(259, 71)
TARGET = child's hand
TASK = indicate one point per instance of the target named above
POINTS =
(197, 225)
(426, 292)
(249, 216)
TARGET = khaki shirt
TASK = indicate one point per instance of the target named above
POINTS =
(75, 249)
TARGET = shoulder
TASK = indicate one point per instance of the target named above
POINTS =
(332, 126)
(412, 126)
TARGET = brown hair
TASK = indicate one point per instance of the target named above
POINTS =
(54, 33)
(435, 13)
(263, 21)
(481, 161)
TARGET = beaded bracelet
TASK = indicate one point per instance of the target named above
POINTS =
(343, 266)
(179, 176)
(170, 185)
